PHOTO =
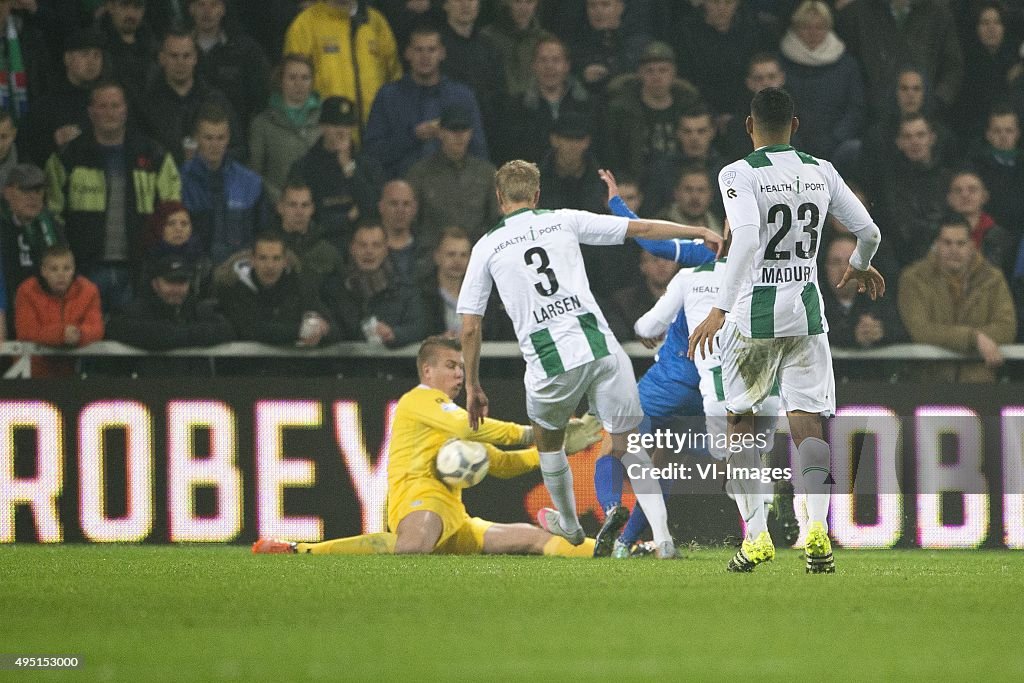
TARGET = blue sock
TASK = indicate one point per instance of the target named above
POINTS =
(634, 527)
(637, 523)
(608, 477)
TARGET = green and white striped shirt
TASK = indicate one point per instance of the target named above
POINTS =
(785, 195)
(533, 257)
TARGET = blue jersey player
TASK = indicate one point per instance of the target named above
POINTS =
(668, 390)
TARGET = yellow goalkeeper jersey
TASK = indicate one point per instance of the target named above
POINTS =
(424, 419)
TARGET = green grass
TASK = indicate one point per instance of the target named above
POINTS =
(216, 613)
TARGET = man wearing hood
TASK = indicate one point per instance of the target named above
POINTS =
(272, 303)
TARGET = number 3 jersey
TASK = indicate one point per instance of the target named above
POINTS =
(786, 195)
(533, 257)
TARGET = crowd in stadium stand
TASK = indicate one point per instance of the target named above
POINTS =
(300, 173)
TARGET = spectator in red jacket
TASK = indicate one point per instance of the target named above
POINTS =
(57, 308)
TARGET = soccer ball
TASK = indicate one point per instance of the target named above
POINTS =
(462, 464)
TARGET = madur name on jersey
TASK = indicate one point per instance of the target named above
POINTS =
(778, 276)
(556, 308)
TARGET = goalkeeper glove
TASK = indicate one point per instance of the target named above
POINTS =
(581, 433)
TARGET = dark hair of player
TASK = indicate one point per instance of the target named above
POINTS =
(772, 109)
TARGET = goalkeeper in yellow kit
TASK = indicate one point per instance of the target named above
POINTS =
(424, 514)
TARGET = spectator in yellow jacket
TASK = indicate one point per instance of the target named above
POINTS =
(353, 50)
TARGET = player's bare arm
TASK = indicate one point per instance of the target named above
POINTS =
(703, 337)
(476, 399)
(869, 281)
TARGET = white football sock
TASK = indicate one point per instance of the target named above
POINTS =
(554, 467)
(751, 492)
(649, 495)
(816, 470)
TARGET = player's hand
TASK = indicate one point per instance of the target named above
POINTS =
(870, 281)
(714, 242)
(609, 180)
(476, 406)
(704, 336)
(989, 351)
(582, 433)
(651, 342)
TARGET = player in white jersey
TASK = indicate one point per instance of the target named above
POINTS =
(776, 200)
(692, 293)
(533, 257)
(688, 298)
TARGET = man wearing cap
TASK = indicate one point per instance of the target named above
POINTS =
(404, 123)
(59, 116)
(345, 183)
(452, 173)
(104, 185)
(643, 112)
(26, 227)
(353, 50)
(166, 315)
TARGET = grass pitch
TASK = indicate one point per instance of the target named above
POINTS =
(219, 613)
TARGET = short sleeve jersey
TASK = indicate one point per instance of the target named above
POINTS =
(785, 195)
(533, 257)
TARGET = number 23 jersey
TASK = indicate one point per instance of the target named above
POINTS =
(786, 195)
(533, 257)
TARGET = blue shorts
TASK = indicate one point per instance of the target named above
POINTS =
(669, 404)
(663, 398)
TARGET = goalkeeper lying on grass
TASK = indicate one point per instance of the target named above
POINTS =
(424, 514)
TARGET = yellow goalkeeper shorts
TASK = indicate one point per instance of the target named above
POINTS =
(460, 533)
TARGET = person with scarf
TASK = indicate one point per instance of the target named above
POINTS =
(369, 301)
(23, 59)
(283, 132)
(967, 196)
(824, 80)
(27, 228)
